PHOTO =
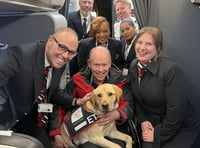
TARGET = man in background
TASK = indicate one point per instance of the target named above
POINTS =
(80, 20)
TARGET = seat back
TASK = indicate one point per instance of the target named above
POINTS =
(17, 28)
(20, 141)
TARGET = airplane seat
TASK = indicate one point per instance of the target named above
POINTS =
(18, 140)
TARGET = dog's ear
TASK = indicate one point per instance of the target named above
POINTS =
(93, 100)
(118, 92)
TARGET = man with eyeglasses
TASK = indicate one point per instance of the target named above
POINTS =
(21, 75)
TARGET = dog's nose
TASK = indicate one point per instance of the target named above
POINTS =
(105, 105)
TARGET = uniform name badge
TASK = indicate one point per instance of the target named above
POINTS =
(125, 71)
(45, 107)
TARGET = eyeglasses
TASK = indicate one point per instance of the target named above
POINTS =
(62, 48)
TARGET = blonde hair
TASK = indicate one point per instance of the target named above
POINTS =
(123, 1)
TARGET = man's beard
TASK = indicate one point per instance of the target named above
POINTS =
(85, 13)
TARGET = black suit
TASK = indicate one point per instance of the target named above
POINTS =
(74, 22)
(86, 45)
(21, 73)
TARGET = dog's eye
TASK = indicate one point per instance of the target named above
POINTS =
(110, 94)
(99, 95)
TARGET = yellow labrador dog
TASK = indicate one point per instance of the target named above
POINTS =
(105, 98)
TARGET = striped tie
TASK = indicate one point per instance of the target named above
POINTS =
(142, 68)
(42, 98)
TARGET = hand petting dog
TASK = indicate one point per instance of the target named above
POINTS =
(82, 101)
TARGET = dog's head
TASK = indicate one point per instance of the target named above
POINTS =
(105, 98)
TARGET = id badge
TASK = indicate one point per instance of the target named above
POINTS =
(125, 71)
(45, 107)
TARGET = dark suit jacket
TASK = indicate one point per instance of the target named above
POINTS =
(131, 54)
(21, 73)
(74, 22)
(86, 45)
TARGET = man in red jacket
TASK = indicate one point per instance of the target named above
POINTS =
(99, 71)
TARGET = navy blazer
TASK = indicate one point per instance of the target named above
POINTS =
(85, 45)
(74, 22)
(131, 54)
(21, 73)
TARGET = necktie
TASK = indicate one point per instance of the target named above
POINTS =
(128, 42)
(42, 98)
(142, 69)
(84, 27)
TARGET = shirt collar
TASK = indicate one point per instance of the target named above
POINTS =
(92, 79)
(153, 67)
(103, 45)
(82, 17)
(46, 63)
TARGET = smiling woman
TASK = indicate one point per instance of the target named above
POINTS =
(159, 87)
(100, 36)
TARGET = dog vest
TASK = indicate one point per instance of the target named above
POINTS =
(78, 121)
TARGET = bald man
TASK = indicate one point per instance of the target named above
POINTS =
(99, 70)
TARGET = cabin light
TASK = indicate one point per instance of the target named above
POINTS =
(195, 1)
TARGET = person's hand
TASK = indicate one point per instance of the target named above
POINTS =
(146, 126)
(147, 131)
(106, 119)
(82, 101)
(148, 136)
(58, 142)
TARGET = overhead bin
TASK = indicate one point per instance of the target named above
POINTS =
(30, 5)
